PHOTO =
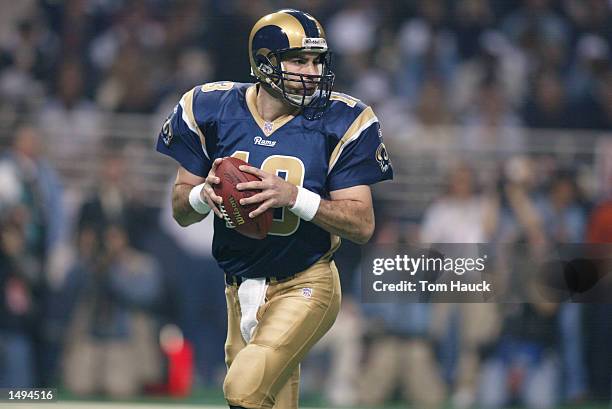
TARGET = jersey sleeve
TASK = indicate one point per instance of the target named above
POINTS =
(360, 157)
(182, 139)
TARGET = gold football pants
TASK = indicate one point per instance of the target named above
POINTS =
(297, 312)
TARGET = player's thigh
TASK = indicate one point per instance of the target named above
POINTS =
(300, 311)
(234, 341)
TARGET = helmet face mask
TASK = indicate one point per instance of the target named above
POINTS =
(277, 38)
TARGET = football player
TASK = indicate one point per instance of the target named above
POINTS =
(316, 153)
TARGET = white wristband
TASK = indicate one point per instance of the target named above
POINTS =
(195, 200)
(306, 204)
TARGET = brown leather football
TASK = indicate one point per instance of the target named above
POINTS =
(236, 215)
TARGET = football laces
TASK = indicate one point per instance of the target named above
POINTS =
(226, 216)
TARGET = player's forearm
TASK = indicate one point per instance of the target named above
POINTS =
(349, 219)
(182, 211)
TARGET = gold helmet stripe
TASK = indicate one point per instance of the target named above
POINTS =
(290, 25)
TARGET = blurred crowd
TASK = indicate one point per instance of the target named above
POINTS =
(539, 63)
(88, 277)
(541, 353)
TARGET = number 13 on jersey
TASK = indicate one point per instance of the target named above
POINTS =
(292, 170)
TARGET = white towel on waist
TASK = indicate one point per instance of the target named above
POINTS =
(251, 295)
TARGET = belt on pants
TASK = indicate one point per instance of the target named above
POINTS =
(234, 280)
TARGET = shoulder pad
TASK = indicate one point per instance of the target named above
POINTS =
(207, 100)
(344, 105)
(217, 86)
(346, 99)
(343, 111)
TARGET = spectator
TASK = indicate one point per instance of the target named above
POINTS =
(353, 32)
(564, 221)
(498, 60)
(19, 308)
(598, 106)
(424, 127)
(127, 26)
(590, 65)
(32, 226)
(590, 16)
(70, 121)
(492, 126)
(427, 48)
(561, 212)
(473, 18)
(110, 202)
(30, 181)
(111, 346)
(17, 13)
(198, 287)
(76, 29)
(518, 218)
(597, 316)
(548, 106)
(462, 215)
(523, 362)
(536, 27)
(401, 351)
(461, 204)
(129, 87)
(26, 62)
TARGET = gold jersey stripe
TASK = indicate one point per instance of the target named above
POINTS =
(365, 119)
(187, 104)
(350, 101)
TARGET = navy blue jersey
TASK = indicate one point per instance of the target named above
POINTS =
(343, 148)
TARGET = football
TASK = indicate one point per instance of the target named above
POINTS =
(236, 215)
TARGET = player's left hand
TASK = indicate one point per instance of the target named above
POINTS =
(275, 191)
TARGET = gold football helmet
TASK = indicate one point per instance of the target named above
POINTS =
(279, 36)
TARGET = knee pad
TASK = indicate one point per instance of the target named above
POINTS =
(244, 378)
(248, 379)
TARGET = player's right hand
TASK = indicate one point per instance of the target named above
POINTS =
(208, 194)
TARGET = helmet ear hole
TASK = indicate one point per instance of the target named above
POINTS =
(266, 65)
(273, 60)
